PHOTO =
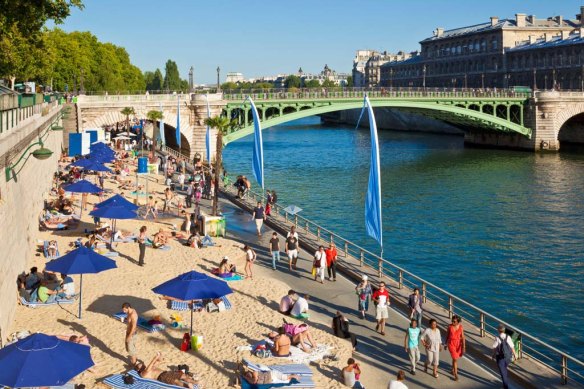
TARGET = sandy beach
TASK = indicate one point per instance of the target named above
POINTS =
(253, 315)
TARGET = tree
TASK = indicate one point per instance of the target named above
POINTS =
(127, 112)
(221, 124)
(154, 116)
(328, 84)
(293, 81)
(350, 81)
(171, 76)
(311, 84)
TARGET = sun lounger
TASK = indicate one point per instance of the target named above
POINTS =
(46, 250)
(117, 381)
(142, 323)
(184, 305)
(293, 368)
(39, 304)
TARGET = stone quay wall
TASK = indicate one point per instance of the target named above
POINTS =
(21, 203)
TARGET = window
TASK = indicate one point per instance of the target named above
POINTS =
(494, 44)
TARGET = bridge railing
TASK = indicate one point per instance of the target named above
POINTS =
(351, 93)
(561, 363)
(132, 98)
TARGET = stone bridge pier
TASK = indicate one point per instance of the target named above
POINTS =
(202, 107)
(557, 120)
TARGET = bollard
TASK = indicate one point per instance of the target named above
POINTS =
(401, 279)
(482, 319)
(564, 370)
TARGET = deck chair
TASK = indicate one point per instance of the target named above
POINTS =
(142, 323)
(39, 304)
(46, 250)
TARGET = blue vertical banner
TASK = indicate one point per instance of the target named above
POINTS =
(161, 129)
(373, 223)
(178, 121)
(208, 133)
(258, 147)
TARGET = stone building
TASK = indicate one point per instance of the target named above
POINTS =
(374, 63)
(524, 51)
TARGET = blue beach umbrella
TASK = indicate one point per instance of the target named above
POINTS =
(42, 360)
(82, 163)
(193, 286)
(81, 261)
(114, 211)
(82, 186)
(96, 166)
(118, 200)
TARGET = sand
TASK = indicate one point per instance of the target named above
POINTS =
(252, 317)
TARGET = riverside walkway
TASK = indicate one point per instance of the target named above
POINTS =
(386, 353)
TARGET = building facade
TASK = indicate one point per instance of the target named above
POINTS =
(524, 51)
(234, 77)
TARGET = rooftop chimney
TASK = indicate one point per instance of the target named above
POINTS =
(439, 32)
(494, 20)
(559, 19)
(520, 20)
(531, 19)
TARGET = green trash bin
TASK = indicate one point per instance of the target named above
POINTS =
(516, 338)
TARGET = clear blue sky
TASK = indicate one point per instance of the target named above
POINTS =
(265, 37)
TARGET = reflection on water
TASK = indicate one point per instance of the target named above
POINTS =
(501, 229)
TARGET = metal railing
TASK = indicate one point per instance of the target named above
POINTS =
(527, 346)
(132, 98)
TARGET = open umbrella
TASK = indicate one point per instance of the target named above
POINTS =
(118, 200)
(292, 209)
(193, 286)
(42, 360)
(82, 163)
(81, 261)
(82, 186)
(114, 211)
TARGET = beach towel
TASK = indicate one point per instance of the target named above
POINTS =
(39, 304)
(297, 368)
(127, 239)
(296, 355)
(142, 323)
(184, 305)
(46, 250)
(162, 248)
(235, 277)
(304, 382)
(117, 381)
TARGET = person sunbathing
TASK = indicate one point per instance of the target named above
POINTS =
(55, 219)
(195, 241)
(52, 248)
(226, 269)
(160, 239)
(268, 377)
(300, 335)
(153, 372)
(282, 344)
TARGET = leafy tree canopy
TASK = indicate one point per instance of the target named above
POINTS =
(293, 81)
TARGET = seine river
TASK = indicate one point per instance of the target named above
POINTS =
(504, 230)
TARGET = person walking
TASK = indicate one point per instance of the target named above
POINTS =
(331, 262)
(456, 343)
(398, 383)
(274, 248)
(364, 292)
(320, 264)
(250, 257)
(142, 245)
(259, 217)
(381, 300)
(189, 197)
(432, 341)
(412, 343)
(292, 250)
(504, 353)
(415, 304)
(168, 196)
(131, 324)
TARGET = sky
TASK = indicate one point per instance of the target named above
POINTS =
(267, 37)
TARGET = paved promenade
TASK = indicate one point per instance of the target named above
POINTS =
(385, 354)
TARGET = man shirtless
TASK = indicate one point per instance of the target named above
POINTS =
(168, 196)
(160, 239)
(131, 322)
(281, 344)
(153, 372)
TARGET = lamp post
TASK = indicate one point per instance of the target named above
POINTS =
(191, 84)
(41, 153)
(218, 83)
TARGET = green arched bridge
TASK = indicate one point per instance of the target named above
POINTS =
(487, 110)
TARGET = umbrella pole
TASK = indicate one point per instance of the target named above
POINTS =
(192, 306)
(80, 291)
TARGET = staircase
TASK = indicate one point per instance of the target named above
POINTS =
(69, 122)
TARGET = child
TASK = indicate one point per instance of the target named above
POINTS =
(268, 209)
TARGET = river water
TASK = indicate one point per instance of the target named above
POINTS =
(503, 230)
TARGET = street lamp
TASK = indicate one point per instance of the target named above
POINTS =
(218, 83)
(191, 73)
(41, 153)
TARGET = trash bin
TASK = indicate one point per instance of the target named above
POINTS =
(516, 338)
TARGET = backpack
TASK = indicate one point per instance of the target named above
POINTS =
(504, 351)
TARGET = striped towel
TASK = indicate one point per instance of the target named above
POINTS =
(296, 368)
(184, 305)
(46, 251)
(117, 381)
(142, 323)
(301, 382)
(37, 304)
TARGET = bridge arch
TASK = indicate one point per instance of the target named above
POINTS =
(569, 126)
(447, 112)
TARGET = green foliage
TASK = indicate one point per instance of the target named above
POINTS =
(172, 81)
(153, 80)
(350, 81)
(328, 84)
(218, 122)
(293, 81)
(154, 116)
(311, 84)
(247, 85)
(127, 111)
